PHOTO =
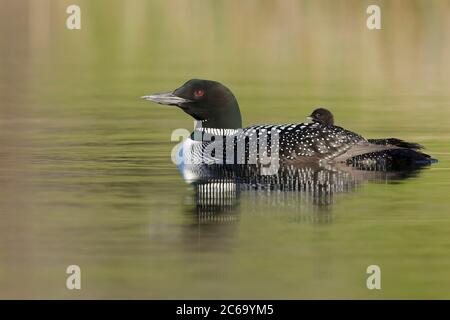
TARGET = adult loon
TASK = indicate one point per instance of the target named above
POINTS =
(217, 113)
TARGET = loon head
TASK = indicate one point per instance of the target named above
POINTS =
(207, 101)
(322, 116)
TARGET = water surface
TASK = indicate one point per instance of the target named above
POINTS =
(85, 170)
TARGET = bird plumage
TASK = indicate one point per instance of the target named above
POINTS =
(220, 138)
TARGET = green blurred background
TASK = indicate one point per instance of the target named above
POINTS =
(85, 170)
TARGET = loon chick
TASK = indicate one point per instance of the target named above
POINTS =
(217, 112)
(325, 117)
(322, 116)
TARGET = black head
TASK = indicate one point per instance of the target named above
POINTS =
(207, 101)
(323, 116)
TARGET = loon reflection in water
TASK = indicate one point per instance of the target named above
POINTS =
(308, 190)
(298, 195)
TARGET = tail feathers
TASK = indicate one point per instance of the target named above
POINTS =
(391, 159)
(396, 142)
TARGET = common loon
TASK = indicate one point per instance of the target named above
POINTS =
(217, 114)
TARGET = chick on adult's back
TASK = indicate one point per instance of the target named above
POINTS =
(399, 152)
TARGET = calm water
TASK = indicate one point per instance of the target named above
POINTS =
(85, 170)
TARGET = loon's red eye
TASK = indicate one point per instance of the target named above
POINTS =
(199, 93)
